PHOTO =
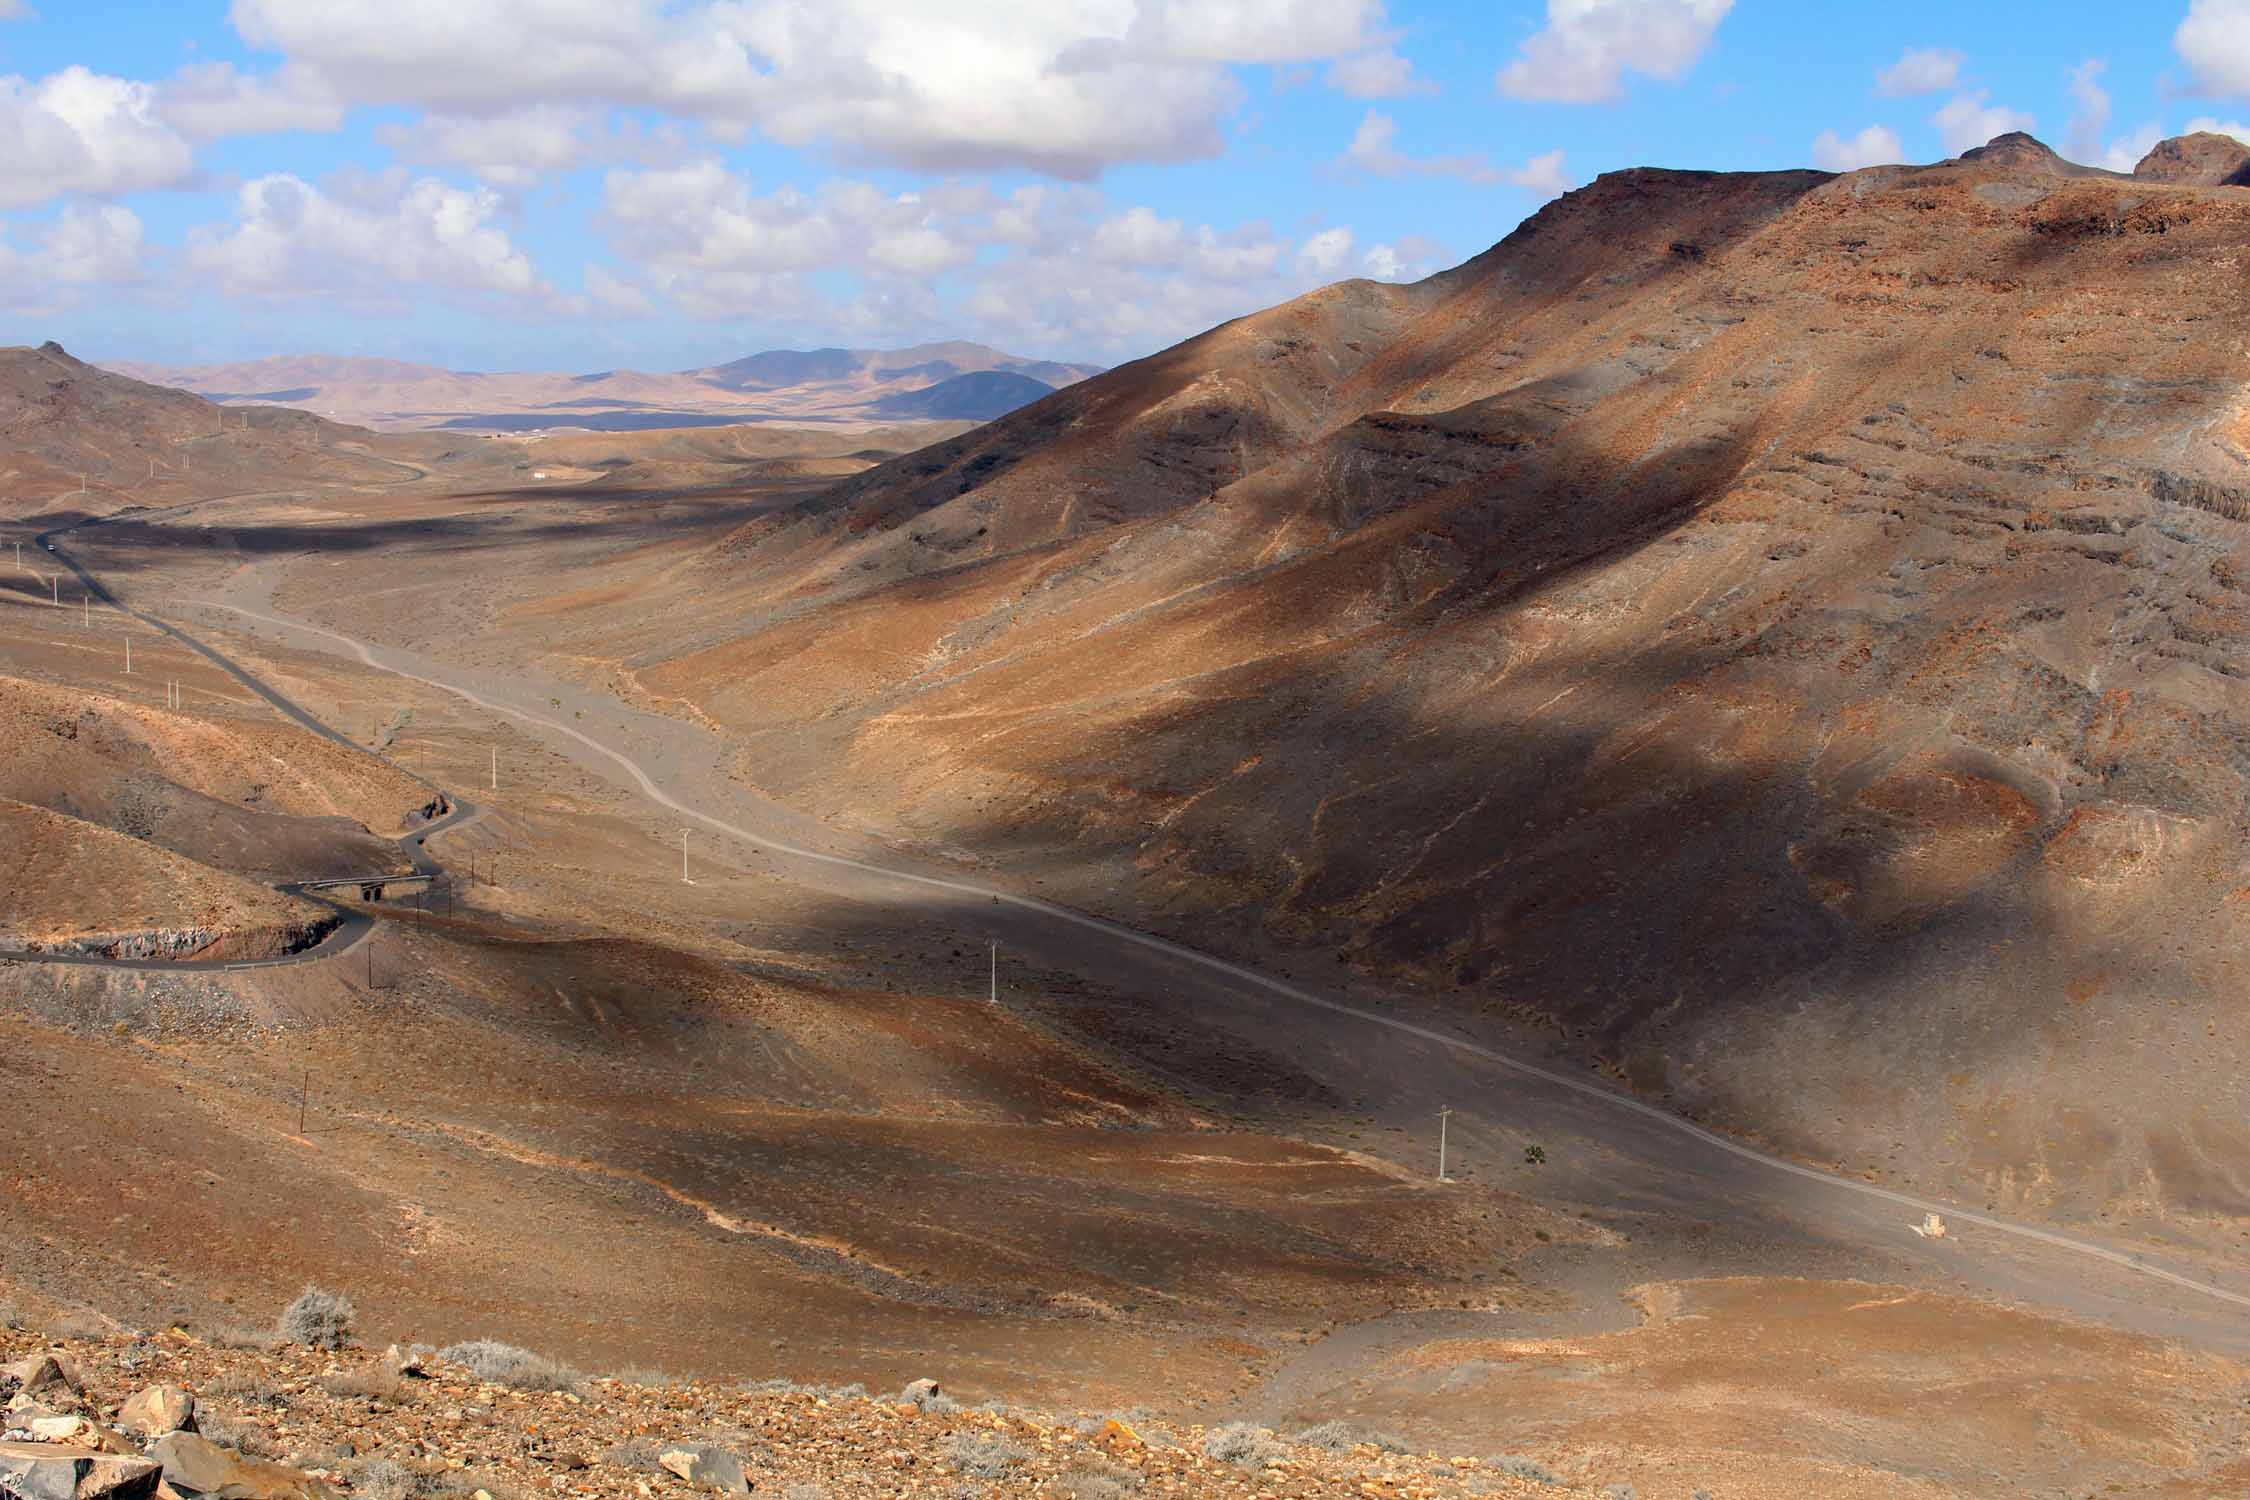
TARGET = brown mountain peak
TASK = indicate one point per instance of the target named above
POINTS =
(2203, 159)
(2014, 149)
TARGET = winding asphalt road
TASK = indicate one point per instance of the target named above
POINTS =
(1601, 1097)
(352, 925)
(1848, 1209)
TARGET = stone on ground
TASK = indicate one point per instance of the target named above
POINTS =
(156, 1410)
(35, 1373)
(49, 1471)
(195, 1466)
(705, 1464)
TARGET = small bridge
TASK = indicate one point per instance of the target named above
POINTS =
(371, 887)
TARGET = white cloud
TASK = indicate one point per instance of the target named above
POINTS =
(1224, 31)
(1877, 145)
(2125, 152)
(607, 296)
(2214, 41)
(1045, 266)
(701, 218)
(1919, 70)
(209, 101)
(2089, 115)
(1543, 174)
(1967, 120)
(1325, 253)
(513, 151)
(1374, 150)
(1411, 259)
(1066, 87)
(1586, 47)
(373, 242)
(80, 132)
(1380, 74)
(88, 249)
(2236, 128)
(1142, 239)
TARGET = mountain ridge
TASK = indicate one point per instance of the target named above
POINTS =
(1778, 632)
(792, 385)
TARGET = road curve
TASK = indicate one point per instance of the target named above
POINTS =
(353, 925)
(1282, 989)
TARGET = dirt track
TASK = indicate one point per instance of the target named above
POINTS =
(1653, 1166)
(351, 926)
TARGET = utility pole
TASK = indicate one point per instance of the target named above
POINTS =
(128, 656)
(1441, 1114)
(683, 859)
(304, 1086)
(496, 768)
(54, 586)
(86, 611)
(994, 995)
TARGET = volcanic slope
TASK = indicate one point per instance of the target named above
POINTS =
(74, 436)
(1776, 634)
(247, 795)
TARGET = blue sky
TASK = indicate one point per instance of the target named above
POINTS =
(589, 184)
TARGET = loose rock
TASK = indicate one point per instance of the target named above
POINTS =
(39, 1372)
(705, 1464)
(47, 1471)
(195, 1466)
(156, 1410)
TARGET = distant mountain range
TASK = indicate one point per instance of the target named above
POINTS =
(946, 381)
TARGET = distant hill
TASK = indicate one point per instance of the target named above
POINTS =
(75, 436)
(976, 397)
(955, 380)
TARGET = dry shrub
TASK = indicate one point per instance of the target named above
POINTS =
(505, 1364)
(369, 1382)
(984, 1454)
(317, 1319)
(1243, 1444)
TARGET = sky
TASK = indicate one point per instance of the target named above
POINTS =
(666, 184)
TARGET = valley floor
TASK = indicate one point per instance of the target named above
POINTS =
(762, 1120)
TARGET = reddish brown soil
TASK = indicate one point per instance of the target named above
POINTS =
(1773, 630)
(349, 1418)
(1734, 1385)
(1768, 634)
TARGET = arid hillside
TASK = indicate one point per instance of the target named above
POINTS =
(76, 437)
(1775, 634)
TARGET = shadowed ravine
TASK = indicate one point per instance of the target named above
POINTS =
(1606, 1099)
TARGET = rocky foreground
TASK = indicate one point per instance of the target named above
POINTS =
(178, 1417)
